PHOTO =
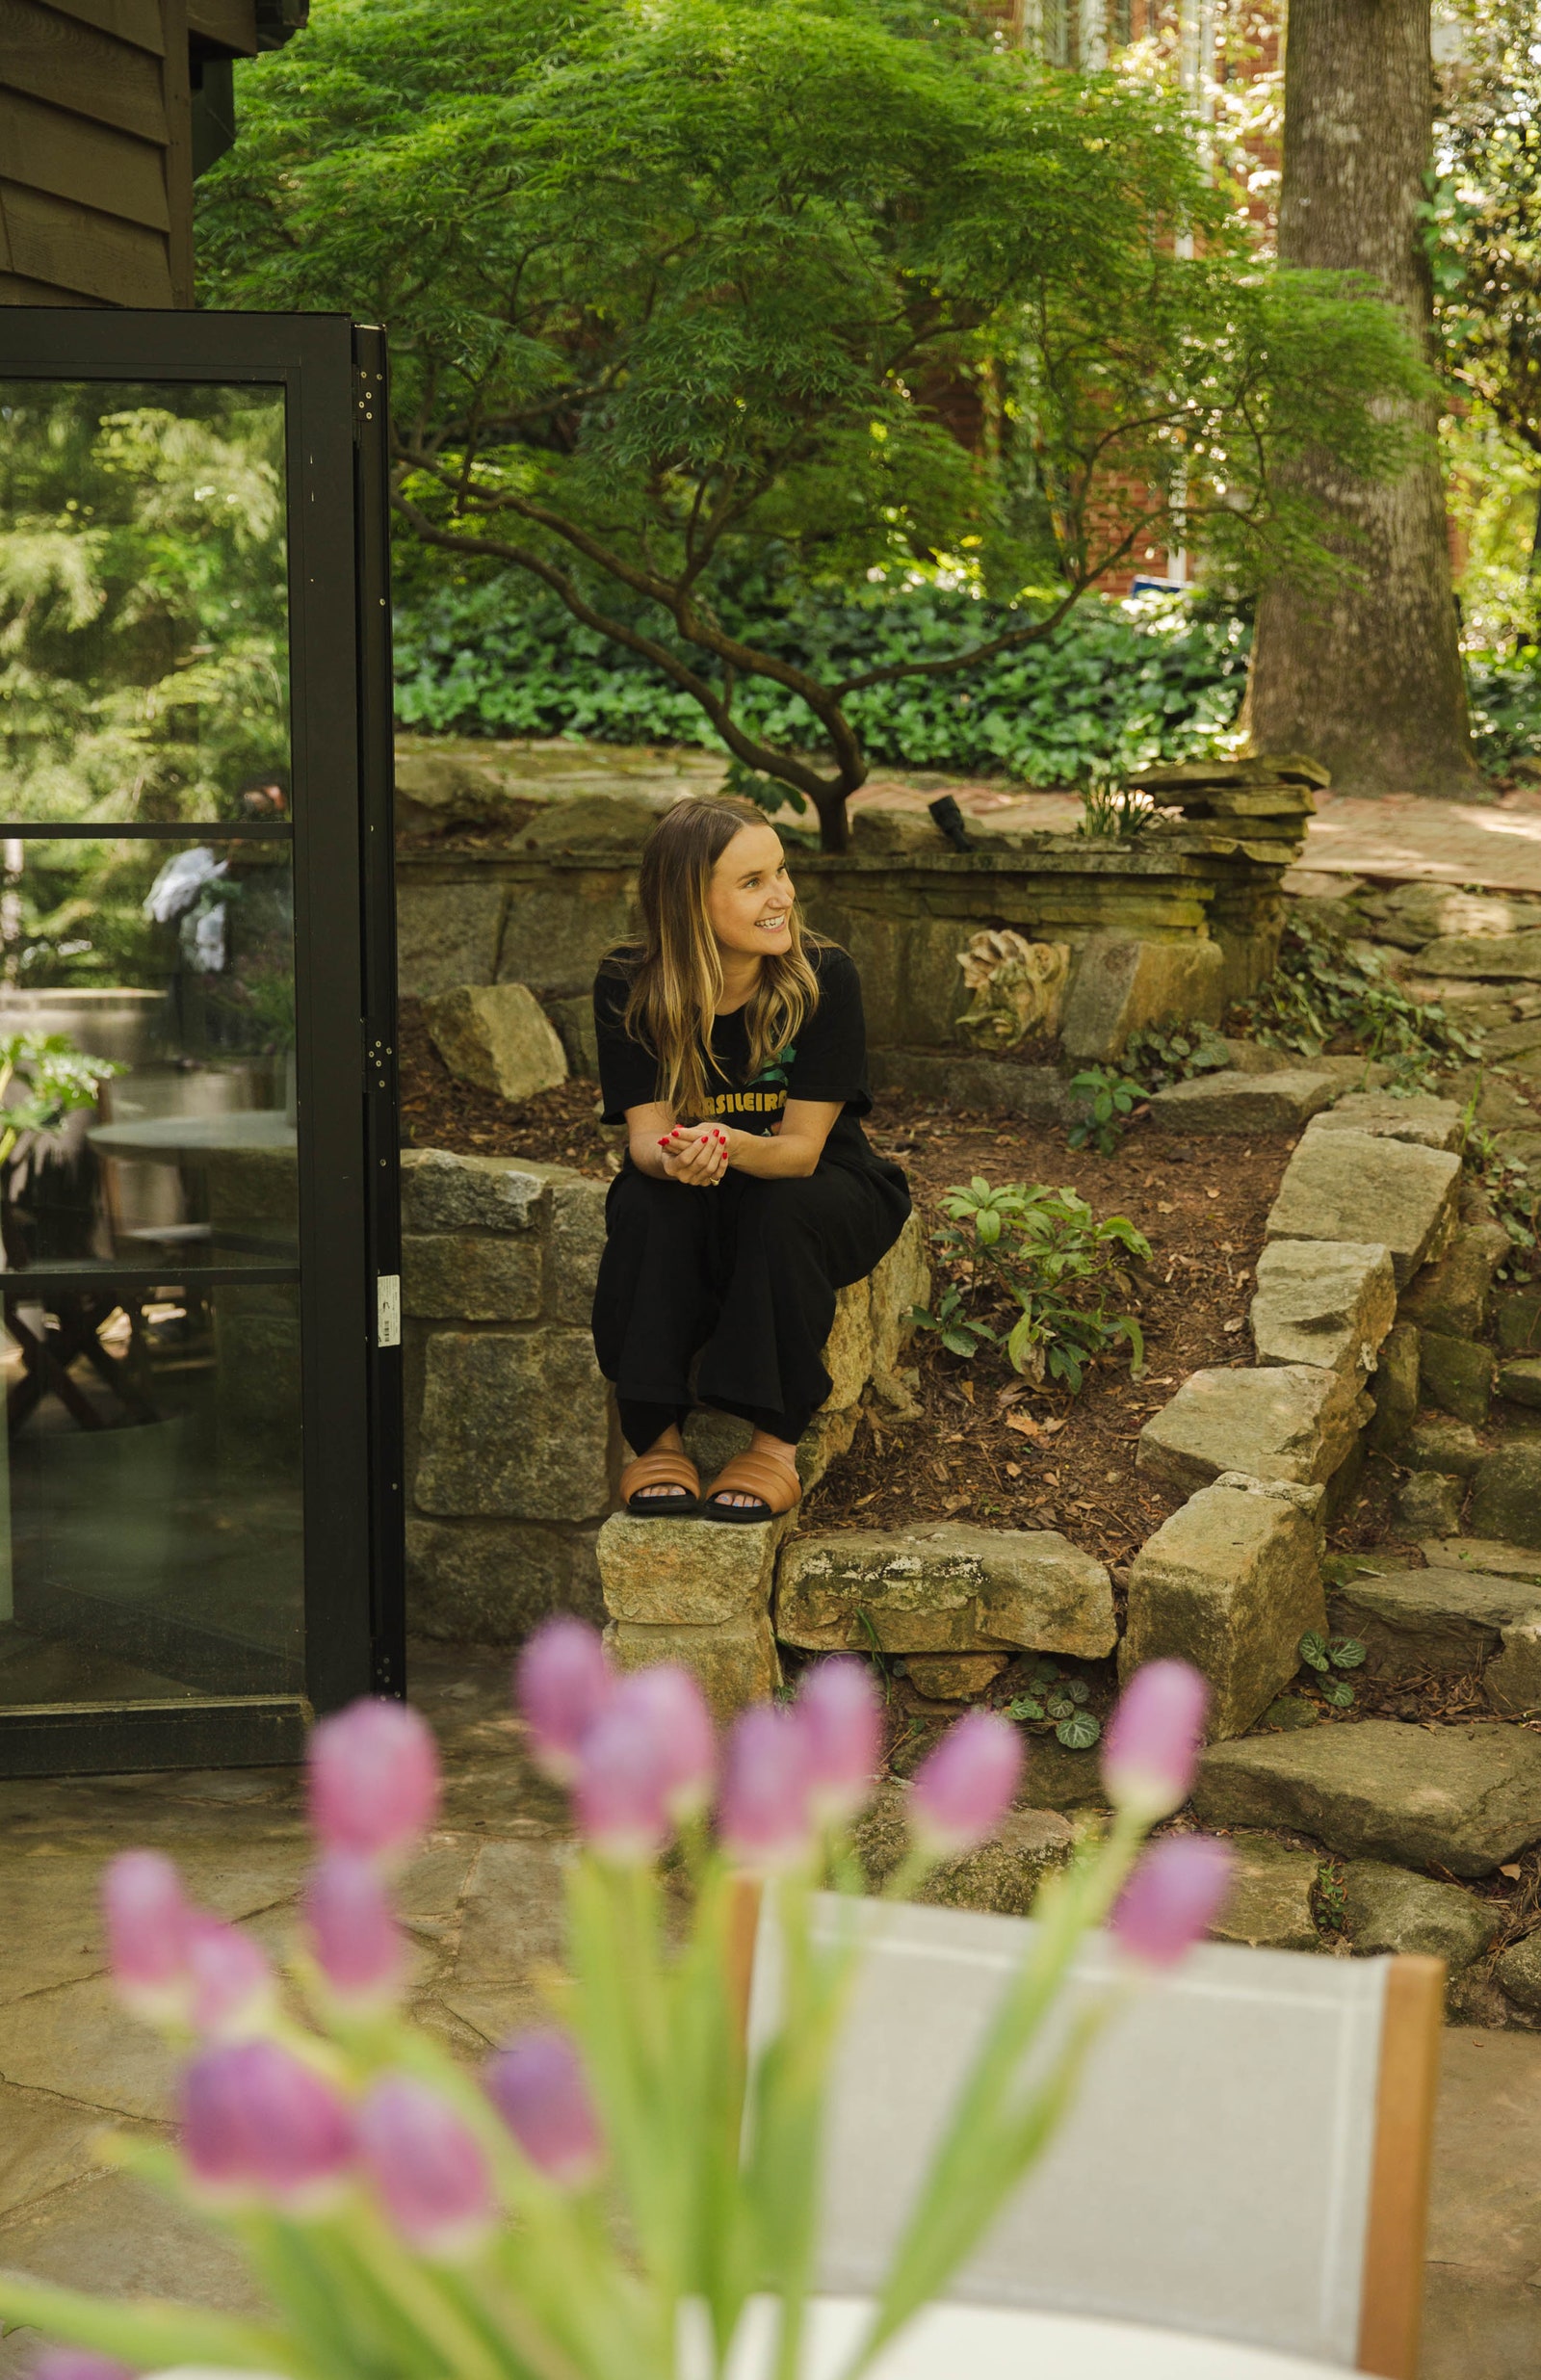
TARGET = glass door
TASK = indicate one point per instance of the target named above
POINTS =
(199, 1473)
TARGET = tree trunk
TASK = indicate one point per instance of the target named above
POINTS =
(1368, 677)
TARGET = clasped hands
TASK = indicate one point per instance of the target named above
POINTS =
(696, 1154)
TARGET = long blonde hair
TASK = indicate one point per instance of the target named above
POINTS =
(676, 969)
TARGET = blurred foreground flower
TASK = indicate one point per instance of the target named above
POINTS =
(373, 1780)
(1173, 1898)
(428, 2168)
(259, 2126)
(148, 1935)
(842, 1723)
(563, 1682)
(1150, 1753)
(537, 2084)
(358, 1944)
(965, 1788)
(765, 1820)
(406, 2220)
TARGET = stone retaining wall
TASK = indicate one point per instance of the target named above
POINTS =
(514, 1453)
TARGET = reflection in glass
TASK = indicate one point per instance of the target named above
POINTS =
(144, 638)
(149, 1109)
(151, 1465)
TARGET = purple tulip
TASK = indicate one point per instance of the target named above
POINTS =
(765, 1818)
(622, 1793)
(1173, 1898)
(672, 1704)
(359, 1946)
(77, 2364)
(538, 2086)
(428, 2168)
(965, 1788)
(374, 1779)
(233, 1989)
(561, 1682)
(259, 2126)
(1151, 1748)
(147, 1922)
(842, 1723)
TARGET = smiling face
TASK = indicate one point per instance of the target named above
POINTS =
(748, 903)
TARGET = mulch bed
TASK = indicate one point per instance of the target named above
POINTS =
(439, 1112)
(988, 1448)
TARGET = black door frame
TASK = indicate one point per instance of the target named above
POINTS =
(333, 374)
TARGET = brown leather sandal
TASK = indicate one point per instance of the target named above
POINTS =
(768, 1478)
(665, 1467)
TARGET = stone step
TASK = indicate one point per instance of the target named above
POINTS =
(1346, 1185)
(1232, 1101)
(699, 1593)
(1323, 1302)
(1003, 1875)
(1433, 1123)
(1388, 1910)
(1231, 1583)
(1268, 1905)
(1489, 1554)
(1294, 1422)
(1452, 1621)
(1461, 1798)
(944, 1587)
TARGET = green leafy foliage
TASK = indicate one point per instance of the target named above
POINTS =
(1058, 1701)
(671, 288)
(1120, 685)
(1173, 1052)
(1112, 813)
(1108, 1097)
(54, 1078)
(1324, 995)
(1511, 1190)
(1043, 1252)
(1324, 1655)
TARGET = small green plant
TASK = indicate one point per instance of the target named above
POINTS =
(1043, 1251)
(1052, 1698)
(1112, 813)
(1330, 1898)
(1173, 1052)
(1510, 1187)
(1324, 1655)
(1325, 994)
(1109, 1097)
(56, 1079)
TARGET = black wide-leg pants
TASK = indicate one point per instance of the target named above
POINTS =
(743, 1275)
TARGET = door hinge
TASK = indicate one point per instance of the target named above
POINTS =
(389, 1310)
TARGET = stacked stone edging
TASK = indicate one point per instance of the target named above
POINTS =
(513, 1455)
(1233, 1580)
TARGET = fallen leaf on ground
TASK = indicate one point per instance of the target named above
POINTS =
(1164, 1206)
(1236, 1324)
(1056, 1421)
(965, 1389)
(1511, 1872)
(1023, 1424)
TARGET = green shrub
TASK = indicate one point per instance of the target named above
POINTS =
(1326, 995)
(1043, 1251)
(1121, 686)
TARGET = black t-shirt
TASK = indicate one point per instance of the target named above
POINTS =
(827, 1063)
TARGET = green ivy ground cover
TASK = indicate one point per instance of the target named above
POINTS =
(1121, 687)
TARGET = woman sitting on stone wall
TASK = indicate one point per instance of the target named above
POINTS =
(731, 1045)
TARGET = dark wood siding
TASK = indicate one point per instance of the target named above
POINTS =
(95, 146)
